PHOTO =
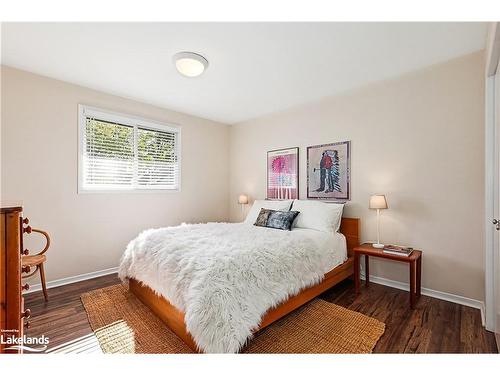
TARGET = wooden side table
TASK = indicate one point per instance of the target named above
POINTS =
(414, 261)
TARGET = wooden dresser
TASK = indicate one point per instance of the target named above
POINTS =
(12, 313)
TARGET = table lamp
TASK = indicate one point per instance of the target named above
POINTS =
(378, 202)
(242, 200)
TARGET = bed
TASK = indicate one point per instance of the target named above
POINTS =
(200, 309)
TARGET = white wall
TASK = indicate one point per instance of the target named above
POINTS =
(420, 140)
(90, 231)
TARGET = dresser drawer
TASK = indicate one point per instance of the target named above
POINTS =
(10, 272)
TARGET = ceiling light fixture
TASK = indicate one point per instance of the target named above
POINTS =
(190, 64)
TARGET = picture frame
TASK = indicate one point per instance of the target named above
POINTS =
(329, 171)
(283, 174)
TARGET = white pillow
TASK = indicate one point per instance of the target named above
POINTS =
(271, 205)
(321, 216)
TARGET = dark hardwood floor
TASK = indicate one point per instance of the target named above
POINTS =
(63, 319)
(435, 326)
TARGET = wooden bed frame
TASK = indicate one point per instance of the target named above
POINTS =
(174, 318)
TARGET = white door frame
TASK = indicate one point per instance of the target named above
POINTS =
(491, 172)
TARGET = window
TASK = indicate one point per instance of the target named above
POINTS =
(119, 152)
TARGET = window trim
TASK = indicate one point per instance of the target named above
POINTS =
(84, 111)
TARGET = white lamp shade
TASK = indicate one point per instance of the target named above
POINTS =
(243, 199)
(378, 201)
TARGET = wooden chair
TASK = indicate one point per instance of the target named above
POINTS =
(37, 261)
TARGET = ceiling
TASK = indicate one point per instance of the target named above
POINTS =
(255, 68)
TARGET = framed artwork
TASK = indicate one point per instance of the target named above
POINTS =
(328, 171)
(283, 173)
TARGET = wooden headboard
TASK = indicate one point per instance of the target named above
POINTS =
(349, 227)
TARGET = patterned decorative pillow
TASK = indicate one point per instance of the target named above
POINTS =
(262, 218)
(276, 219)
(281, 219)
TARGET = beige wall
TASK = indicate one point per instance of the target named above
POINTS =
(420, 140)
(90, 231)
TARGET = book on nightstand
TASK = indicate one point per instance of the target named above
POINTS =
(398, 250)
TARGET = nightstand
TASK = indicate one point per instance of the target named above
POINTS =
(414, 261)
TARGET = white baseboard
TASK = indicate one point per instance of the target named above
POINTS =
(432, 293)
(71, 279)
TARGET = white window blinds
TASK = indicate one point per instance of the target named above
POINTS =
(156, 158)
(123, 153)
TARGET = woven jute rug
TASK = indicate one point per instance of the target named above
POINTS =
(122, 324)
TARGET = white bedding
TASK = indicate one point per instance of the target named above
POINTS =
(224, 277)
(333, 246)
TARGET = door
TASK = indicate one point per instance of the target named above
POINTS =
(496, 207)
(492, 182)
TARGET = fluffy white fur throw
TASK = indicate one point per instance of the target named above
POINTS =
(223, 276)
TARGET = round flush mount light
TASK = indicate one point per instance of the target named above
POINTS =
(190, 64)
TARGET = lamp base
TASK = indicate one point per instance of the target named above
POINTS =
(378, 245)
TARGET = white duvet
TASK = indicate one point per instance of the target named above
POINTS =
(224, 277)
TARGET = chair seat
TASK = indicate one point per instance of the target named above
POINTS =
(33, 260)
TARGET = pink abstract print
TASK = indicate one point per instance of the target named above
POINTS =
(282, 174)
